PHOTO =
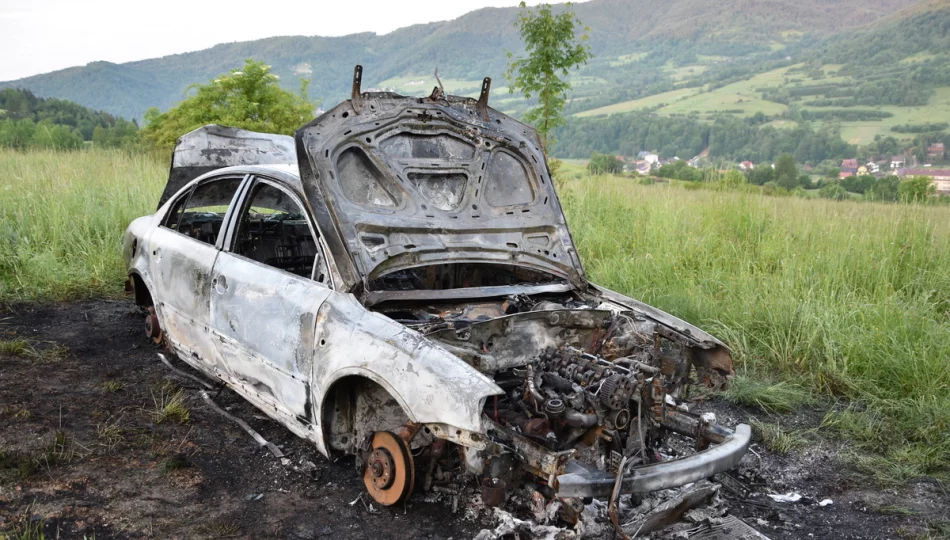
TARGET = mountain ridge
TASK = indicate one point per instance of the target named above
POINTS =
(465, 48)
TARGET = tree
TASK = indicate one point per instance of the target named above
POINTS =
(553, 49)
(100, 137)
(249, 97)
(761, 175)
(884, 189)
(786, 173)
(915, 189)
(834, 192)
(680, 170)
(604, 163)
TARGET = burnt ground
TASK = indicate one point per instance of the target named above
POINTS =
(82, 453)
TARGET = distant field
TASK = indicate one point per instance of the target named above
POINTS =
(628, 58)
(644, 103)
(737, 96)
(741, 95)
(743, 99)
(937, 110)
(423, 84)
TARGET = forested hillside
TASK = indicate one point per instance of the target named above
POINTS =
(685, 137)
(884, 88)
(626, 35)
(28, 121)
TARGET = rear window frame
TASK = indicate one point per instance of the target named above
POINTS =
(185, 197)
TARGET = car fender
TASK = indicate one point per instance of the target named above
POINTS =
(430, 384)
(135, 249)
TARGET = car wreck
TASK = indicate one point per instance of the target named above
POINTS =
(398, 282)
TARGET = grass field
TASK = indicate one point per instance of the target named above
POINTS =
(937, 110)
(736, 96)
(61, 216)
(643, 103)
(817, 298)
(842, 299)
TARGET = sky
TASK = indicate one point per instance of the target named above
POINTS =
(38, 36)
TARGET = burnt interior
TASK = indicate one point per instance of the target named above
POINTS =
(273, 230)
(200, 212)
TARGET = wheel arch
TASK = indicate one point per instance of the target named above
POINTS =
(356, 404)
(142, 294)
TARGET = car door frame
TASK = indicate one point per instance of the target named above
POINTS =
(272, 366)
(185, 333)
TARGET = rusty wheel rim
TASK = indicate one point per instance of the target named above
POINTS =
(152, 327)
(390, 472)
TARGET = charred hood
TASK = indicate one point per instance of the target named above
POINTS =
(400, 182)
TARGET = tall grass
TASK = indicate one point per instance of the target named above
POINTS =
(61, 219)
(847, 299)
(843, 299)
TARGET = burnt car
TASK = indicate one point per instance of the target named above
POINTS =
(398, 282)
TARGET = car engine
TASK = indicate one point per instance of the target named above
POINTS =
(571, 399)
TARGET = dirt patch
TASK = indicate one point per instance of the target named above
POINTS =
(90, 446)
(121, 473)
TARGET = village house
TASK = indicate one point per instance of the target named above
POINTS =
(642, 166)
(940, 178)
(936, 151)
(849, 167)
(746, 166)
(872, 167)
(897, 162)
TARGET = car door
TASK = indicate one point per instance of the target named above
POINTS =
(267, 286)
(184, 248)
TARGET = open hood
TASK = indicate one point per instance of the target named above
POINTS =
(400, 182)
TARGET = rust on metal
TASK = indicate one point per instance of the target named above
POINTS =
(390, 472)
(356, 93)
(482, 105)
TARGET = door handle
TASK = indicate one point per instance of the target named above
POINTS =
(220, 284)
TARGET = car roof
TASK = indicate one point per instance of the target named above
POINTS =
(284, 173)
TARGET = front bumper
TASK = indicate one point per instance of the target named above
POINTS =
(578, 480)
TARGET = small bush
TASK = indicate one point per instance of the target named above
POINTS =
(169, 404)
(17, 347)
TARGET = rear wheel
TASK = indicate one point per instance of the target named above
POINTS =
(390, 472)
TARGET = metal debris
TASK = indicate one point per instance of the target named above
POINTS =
(727, 528)
(199, 380)
(670, 512)
(255, 435)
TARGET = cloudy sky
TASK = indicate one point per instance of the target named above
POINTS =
(37, 36)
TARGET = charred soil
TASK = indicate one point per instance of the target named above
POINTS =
(98, 438)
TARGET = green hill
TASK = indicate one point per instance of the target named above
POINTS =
(889, 79)
(642, 47)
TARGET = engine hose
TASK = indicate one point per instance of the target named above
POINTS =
(531, 393)
(579, 419)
